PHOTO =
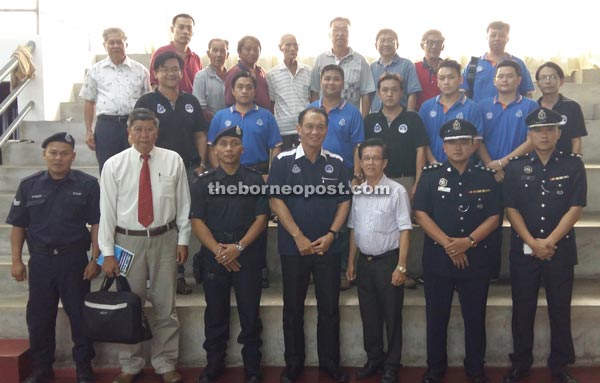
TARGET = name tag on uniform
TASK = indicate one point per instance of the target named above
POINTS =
(444, 189)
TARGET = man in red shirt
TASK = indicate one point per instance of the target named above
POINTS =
(182, 28)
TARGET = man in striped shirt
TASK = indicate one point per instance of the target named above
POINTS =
(379, 231)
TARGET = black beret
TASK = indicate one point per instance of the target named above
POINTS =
(457, 128)
(542, 117)
(59, 137)
(232, 131)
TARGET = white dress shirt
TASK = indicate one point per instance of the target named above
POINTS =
(377, 220)
(115, 88)
(119, 185)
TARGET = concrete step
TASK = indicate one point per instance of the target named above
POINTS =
(591, 142)
(37, 131)
(586, 231)
(190, 310)
(30, 154)
(71, 111)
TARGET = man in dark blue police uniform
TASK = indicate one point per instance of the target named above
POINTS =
(228, 220)
(309, 225)
(544, 194)
(458, 205)
(50, 211)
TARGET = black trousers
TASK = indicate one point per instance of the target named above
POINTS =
(52, 278)
(380, 303)
(526, 279)
(296, 271)
(111, 138)
(472, 293)
(246, 284)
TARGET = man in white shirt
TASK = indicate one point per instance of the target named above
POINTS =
(380, 225)
(147, 215)
(110, 90)
(289, 89)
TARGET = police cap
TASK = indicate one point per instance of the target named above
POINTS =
(232, 131)
(543, 117)
(59, 137)
(457, 128)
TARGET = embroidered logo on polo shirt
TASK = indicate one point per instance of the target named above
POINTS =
(296, 169)
(403, 128)
(189, 108)
(160, 109)
(519, 113)
(16, 202)
(260, 122)
(227, 123)
(342, 122)
(377, 128)
(328, 168)
(432, 114)
(564, 120)
(460, 116)
(489, 115)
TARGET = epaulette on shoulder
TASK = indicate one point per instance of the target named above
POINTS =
(576, 155)
(206, 173)
(518, 157)
(486, 169)
(435, 165)
(34, 175)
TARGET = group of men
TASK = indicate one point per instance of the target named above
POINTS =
(163, 153)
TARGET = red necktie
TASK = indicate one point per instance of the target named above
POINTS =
(145, 209)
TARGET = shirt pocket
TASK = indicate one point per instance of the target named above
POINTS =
(381, 222)
(167, 186)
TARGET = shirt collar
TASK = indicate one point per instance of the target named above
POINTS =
(350, 53)
(515, 101)
(221, 174)
(340, 106)
(108, 62)
(232, 108)
(394, 60)
(300, 152)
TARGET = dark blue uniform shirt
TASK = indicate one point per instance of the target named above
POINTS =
(458, 204)
(543, 195)
(313, 214)
(55, 212)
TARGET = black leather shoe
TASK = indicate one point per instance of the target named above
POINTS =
(389, 376)
(431, 377)
(479, 379)
(40, 375)
(210, 374)
(85, 374)
(253, 379)
(290, 374)
(515, 375)
(335, 373)
(369, 369)
(563, 377)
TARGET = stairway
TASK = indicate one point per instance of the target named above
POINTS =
(22, 159)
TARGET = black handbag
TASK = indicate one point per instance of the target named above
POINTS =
(115, 316)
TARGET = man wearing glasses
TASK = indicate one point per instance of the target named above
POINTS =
(432, 44)
(386, 43)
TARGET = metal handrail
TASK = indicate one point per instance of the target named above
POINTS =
(5, 71)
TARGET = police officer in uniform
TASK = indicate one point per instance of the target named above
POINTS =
(458, 205)
(50, 211)
(544, 194)
(228, 226)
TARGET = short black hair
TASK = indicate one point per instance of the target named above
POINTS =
(141, 114)
(511, 64)
(390, 76)
(185, 16)
(314, 109)
(452, 64)
(333, 67)
(374, 142)
(498, 25)
(247, 38)
(552, 65)
(162, 58)
(243, 74)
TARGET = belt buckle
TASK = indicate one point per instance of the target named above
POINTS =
(55, 251)
(147, 233)
(370, 258)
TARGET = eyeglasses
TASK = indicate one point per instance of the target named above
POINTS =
(172, 70)
(547, 78)
(432, 43)
(374, 159)
(387, 41)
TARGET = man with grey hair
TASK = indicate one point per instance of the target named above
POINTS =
(144, 208)
(110, 90)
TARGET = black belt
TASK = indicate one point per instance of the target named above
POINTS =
(148, 232)
(58, 249)
(112, 118)
(380, 256)
(229, 237)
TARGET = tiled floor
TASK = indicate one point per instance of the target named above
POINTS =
(312, 375)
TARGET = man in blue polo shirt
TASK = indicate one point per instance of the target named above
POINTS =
(308, 241)
(261, 139)
(345, 132)
(451, 103)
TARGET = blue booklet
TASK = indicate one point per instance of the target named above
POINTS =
(124, 258)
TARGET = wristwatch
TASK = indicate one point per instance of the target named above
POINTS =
(401, 269)
(239, 247)
(336, 234)
(358, 177)
(473, 241)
